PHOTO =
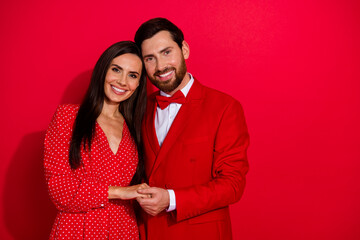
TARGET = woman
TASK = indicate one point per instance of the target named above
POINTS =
(91, 151)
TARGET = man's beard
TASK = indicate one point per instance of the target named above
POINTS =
(169, 85)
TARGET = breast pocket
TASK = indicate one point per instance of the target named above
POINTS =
(196, 140)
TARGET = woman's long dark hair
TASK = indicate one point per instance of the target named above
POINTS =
(132, 109)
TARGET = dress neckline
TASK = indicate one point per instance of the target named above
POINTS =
(123, 134)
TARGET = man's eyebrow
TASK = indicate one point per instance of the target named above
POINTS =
(113, 64)
(148, 55)
(165, 49)
(161, 51)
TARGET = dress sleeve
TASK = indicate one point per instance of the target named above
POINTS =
(70, 190)
(230, 166)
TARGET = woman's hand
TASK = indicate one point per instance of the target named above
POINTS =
(127, 193)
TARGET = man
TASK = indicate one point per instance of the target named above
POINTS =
(195, 146)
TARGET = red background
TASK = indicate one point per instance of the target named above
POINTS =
(294, 66)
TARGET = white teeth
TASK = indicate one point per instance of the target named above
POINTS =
(166, 74)
(117, 89)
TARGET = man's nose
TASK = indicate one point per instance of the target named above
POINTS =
(160, 65)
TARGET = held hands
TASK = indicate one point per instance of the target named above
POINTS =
(152, 199)
(155, 200)
(127, 193)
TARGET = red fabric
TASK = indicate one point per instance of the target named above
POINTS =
(203, 158)
(164, 101)
(84, 211)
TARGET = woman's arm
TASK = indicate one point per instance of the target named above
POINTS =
(127, 193)
(69, 191)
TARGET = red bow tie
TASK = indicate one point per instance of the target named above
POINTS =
(163, 101)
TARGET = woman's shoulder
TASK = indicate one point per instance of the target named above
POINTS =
(63, 119)
(66, 112)
(67, 109)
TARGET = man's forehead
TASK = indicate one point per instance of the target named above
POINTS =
(158, 42)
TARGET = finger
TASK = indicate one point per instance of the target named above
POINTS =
(149, 211)
(153, 213)
(143, 201)
(147, 201)
(144, 185)
(147, 191)
(144, 195)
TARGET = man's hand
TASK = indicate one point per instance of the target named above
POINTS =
(159, 200)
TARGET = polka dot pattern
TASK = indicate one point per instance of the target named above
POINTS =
(81, 195)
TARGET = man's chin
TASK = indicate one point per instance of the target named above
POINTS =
(166, 86)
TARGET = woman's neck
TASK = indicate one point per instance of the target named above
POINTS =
(111, 111)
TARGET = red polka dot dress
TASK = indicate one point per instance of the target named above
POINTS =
(81, 195)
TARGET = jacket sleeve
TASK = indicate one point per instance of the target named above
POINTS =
(230, 166)
(70, 190)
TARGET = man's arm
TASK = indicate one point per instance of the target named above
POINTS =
(229, 169)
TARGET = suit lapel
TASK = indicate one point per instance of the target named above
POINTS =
(191, 105)
(151, 133)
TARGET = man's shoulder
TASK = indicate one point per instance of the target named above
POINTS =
(215, 92)
(217, 97)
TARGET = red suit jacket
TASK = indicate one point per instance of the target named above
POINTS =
(203, 159)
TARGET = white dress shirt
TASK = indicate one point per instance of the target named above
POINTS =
(163, 121)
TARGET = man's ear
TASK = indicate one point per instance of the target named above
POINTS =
(185, 49)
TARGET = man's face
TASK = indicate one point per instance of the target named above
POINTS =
(165, 61)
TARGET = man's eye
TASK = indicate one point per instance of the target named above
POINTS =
(148, 59)
(167, 52)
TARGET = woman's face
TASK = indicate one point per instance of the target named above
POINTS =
(122, 78)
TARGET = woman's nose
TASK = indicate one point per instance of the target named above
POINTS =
(122, 80)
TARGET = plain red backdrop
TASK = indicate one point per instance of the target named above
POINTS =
(294, 66)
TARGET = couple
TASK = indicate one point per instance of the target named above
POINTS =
(184, 163)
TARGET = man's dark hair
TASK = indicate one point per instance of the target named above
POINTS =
(151, 27)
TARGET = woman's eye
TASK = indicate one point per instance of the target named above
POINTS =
(148, 59)
(115, 69)
(133, 75)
